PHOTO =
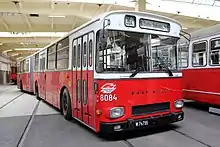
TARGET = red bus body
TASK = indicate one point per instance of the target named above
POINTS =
(13, 74)
(200, 77)
(151, 99)
(64, 75)
(199, 88)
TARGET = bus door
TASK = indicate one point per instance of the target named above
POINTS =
(42, 76)
(89, 99)
(79, 79)
(84, 91)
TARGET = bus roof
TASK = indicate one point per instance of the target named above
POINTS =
(206, 32)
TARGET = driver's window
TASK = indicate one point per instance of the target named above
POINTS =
(164, 52)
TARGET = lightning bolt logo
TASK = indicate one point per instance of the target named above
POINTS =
(108, 88)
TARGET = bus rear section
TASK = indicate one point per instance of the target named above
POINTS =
(13, 74)
(200, 77)
(137, 81)
(25, 75)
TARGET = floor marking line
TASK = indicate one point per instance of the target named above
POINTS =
(11, 100)
(192, 138)
(128, 143)
(26, 129)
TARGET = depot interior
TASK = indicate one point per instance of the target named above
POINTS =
(29, 25)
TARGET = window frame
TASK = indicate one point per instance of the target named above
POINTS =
(74, 54)
(79, 45)
(50, 54)
(27, 64)
(42, 56)
(206, 53)
(96, 49)
(36, 69)
(188, 56)
(67, 47)
(85, 92)
(90, 52)
(210, 49)
(84, 54)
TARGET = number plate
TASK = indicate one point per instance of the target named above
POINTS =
(141, 123)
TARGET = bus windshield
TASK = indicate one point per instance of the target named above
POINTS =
(127, 51)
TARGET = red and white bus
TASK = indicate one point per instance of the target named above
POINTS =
(200, 76)
(117, 72)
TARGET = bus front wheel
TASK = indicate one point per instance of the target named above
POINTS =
(66, 105)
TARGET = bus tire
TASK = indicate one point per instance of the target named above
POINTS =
(66, 105)
(21, 86)
(37, 92)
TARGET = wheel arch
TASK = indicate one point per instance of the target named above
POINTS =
(61, 91)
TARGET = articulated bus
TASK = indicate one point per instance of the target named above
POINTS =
(118, 72)
(200, 77)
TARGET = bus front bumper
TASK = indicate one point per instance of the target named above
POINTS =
(131, 124)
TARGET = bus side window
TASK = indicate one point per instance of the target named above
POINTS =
(36, 62)
(199, 56)
(74, 56)
(63, 54)
(214, 52)
(42, 62)
(78, 56)
(27, 66)
(84, 53)
(24, 66)
(51, 57)
(90, 52)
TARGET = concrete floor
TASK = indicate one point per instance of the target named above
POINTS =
(49, 129)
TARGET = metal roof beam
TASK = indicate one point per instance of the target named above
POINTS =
(48, 11)
(39, 40)
(140, 5)
(4, 23)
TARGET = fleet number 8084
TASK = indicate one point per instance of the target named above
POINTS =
(108, 97)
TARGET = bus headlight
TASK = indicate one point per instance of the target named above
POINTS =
(116, 112)
(179, 103)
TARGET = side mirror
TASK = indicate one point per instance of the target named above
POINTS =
(106, 23)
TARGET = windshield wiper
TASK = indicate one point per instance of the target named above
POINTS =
(135, 72)
(164, 65)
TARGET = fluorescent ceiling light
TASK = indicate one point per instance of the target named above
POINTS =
(19, 58)
(14, 55)
(26, 49)
(1, 43)
(56, 16)
(7, 51)
(184, 28)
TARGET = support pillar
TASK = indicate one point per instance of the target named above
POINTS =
(140, 5)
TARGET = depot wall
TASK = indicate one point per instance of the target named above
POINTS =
(5, 68)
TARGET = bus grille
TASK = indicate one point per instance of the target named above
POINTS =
(151, 108)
